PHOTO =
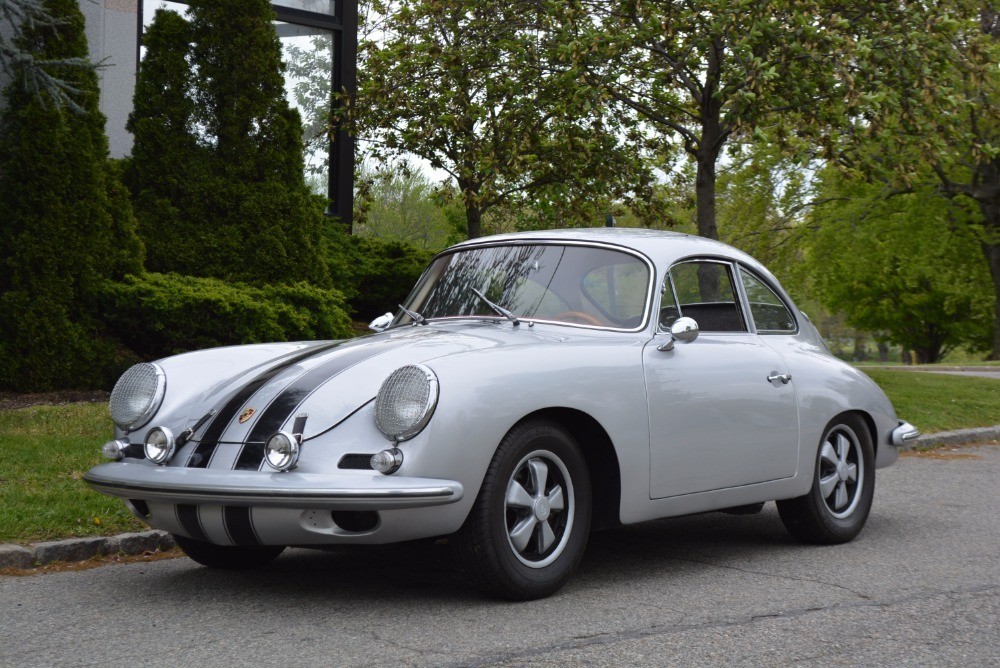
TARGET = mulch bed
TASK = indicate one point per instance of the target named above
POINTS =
(13, 400)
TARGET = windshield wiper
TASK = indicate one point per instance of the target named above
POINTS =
(500, 310)
(414, 316)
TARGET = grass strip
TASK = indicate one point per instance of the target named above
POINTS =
(44, 452)
(939, 402)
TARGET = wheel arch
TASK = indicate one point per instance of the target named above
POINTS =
(872, 430)
(602, 461)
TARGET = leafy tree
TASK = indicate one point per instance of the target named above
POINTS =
(465, 85)
(67, 226)
(950, 123)
(901, 266)
(398, 202)
(231, 200)
(709, 72)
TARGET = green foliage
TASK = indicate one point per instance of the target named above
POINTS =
(217, 167)
(904, 266)
(67, 227)
(938, 402)
(376, 275)
(398, 202)
(466, 86)
(163, 314)
(42, 497)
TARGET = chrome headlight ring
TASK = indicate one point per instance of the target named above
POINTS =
(159, 445)
(137, 395)
(406, 401)
(281, 451)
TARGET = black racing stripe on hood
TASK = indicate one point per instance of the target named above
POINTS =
(202, 454)
(252, 454)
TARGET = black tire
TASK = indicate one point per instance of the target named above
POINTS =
(228, 557)
(536, 560)
(837, 505)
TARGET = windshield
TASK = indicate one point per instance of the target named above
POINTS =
(582, 285)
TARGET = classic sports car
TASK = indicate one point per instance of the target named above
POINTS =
(535, 387)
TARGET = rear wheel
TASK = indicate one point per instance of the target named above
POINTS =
(530, 523)
(836, 507)
(228, 557)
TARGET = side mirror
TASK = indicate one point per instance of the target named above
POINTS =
(684, 330)
(380, 323)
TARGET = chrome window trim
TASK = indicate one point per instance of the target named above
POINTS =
(650, 283)
(737, 287)
(767, 332)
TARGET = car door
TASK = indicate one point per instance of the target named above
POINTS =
(722, 409)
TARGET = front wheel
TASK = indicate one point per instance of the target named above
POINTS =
(227, 557)
(529, 525)
(837, 505)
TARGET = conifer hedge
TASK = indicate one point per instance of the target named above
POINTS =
(67, 227)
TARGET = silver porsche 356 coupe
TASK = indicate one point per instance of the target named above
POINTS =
(534, 387)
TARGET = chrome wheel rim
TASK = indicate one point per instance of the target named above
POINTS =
(538, 509)
(841, 471)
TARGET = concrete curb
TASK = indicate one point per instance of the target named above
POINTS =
(81, 549)
(956, 437)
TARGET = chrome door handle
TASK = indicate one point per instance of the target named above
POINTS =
(785, 378)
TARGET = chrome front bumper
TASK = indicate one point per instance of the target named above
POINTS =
(904, 433)
(270, 490)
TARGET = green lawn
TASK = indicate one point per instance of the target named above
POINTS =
(44, 451)
(938, 402)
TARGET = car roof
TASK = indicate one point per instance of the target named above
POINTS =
(660, 246)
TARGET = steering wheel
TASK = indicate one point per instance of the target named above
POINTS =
(579, 316)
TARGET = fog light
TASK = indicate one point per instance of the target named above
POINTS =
(387, 461)
(115, 449)
(281, 451)
(159, 445)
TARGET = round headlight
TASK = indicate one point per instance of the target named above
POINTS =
(406, 401)
(137, 395)
(159, 445)
(281, 451)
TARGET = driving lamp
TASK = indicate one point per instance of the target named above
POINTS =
(281, 451)
(159, 445)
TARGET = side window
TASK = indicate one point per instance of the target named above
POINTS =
(705, 292)
(668, 305)
(769, 313)
(618, 291)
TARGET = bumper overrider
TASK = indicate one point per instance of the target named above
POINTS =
(270, 490)
(904, 433)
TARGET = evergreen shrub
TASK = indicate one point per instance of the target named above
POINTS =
(375, 275)
(163, 314)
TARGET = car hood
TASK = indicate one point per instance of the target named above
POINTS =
(328, 381)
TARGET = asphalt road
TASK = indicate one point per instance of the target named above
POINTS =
(921, 586)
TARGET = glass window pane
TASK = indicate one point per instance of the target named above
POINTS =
(770, 314)
(320, 6)
(308, 55)
(705, 291)
(572, 284)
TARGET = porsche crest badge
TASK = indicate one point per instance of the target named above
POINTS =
(246, 415)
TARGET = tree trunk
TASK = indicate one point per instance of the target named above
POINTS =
(992, 253)
(473, 220)
(473, 212)
(704, 188)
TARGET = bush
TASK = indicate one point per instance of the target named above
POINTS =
(66, 227)
(375, 275)
(163, 314)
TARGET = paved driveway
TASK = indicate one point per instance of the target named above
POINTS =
(921, 586)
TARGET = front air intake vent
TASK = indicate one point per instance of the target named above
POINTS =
(357, 462)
